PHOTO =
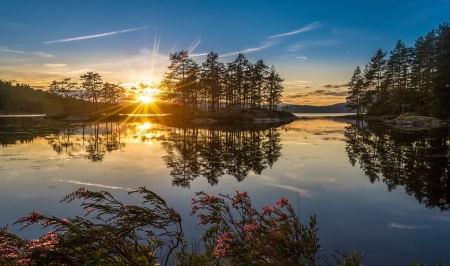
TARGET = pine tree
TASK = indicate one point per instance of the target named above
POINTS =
(355, 91)
(273, 89)
(211, 79)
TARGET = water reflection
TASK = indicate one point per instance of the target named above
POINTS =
(210, 153)
(419, 161)
(189, 152)
(91, 141)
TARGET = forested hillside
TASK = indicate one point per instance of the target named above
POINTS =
(412, 79)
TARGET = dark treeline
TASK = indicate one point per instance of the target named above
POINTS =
(214, 85)
(193, 152)
(21, 98)
(418, 161)
(63, 96)
(92, 89)
(412, 79)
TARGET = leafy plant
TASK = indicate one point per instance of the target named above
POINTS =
(118, 234)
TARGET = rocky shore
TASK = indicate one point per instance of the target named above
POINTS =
(415, 122)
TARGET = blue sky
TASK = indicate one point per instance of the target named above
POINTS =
(314, 45)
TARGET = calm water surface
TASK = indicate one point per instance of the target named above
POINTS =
(375, 189)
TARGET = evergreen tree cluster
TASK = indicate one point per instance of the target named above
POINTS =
(92, 88)
(413, 79)
(214, 85)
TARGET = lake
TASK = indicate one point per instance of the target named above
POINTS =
(379, 190)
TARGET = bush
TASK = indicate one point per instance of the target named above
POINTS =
(119, 234)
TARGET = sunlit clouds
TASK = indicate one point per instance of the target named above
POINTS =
(94, 35)
(316, 97)
(55, 65)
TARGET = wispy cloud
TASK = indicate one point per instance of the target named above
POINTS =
(303, 45)
(317, 93)
(329, 86)
(5, 49)
(95, 35)
(55, 65)
(249, 50)
(194, 44)
(302, 57)
(92, 184)
(405, 226)
(309, 27)
(296, 82)
(196, 55)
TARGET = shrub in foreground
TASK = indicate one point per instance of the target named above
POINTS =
(112, 233)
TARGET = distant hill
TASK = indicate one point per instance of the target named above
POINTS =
(335, 108)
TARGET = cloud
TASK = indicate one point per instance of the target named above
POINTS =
(309, 27)
(94, 36)
(301, 57)
(55, 65)
(329, 86)
(249, 50)
(5, 49)
(194, 44)
(196, 55)
(405, 226)
(317, 93)
(304, 45)
(294, 82)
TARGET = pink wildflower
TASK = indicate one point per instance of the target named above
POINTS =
(283, 202)
(89, 211)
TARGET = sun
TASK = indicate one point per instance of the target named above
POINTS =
(145, 98)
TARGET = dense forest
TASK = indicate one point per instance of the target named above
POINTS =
(21, 98)
(214, 85)
(413, 79)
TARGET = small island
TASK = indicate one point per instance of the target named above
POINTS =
(189, 93)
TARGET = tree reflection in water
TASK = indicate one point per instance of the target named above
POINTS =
(419, 160)
(91, 141)
(190, 152)
(193, 152)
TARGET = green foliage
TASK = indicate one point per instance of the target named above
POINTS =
(118, 234)
(21, 98)
(413, 79)
(215, 85)
(241, 235)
